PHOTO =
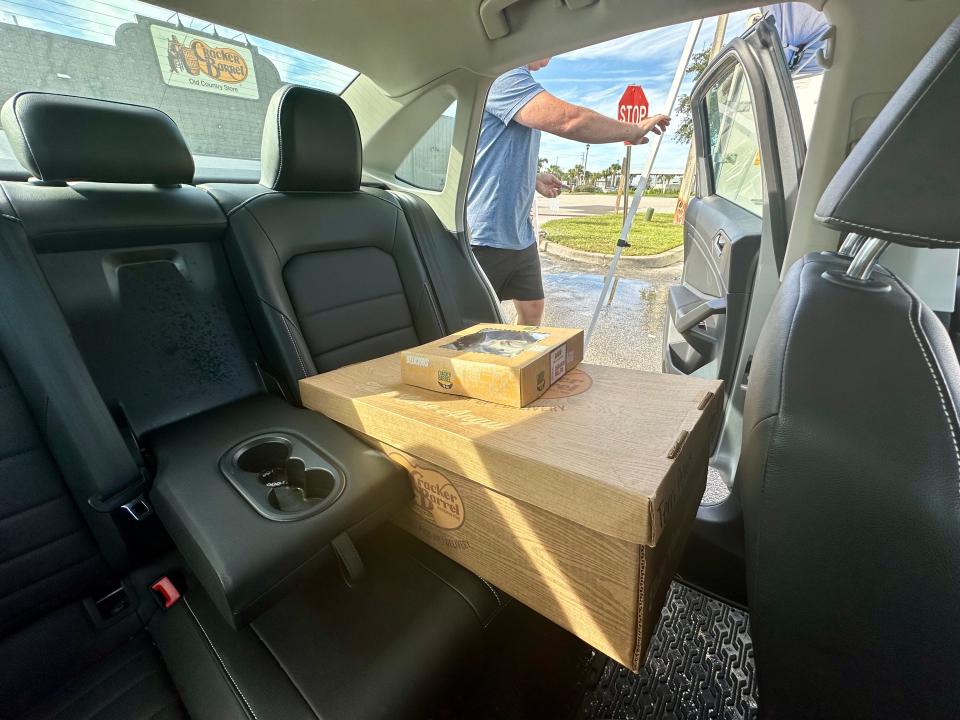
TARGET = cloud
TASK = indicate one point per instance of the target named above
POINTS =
(648, 45)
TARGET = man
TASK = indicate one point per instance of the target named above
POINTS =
(505, 176)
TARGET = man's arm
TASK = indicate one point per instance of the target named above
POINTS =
(573, 122)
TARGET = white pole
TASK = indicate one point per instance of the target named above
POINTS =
(642, 182)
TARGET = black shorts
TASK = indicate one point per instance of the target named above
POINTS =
(514, 274)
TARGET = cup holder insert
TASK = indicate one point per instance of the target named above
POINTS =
(264, 457)
(283, 477)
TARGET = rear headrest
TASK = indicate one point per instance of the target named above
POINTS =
(902, 181)
(62, 137)
(310, 142)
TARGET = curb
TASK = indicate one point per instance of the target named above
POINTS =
(660, 260)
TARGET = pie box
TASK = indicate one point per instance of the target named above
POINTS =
(577, 505)
(506, 364)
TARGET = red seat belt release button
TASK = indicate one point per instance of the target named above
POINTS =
(166, 591)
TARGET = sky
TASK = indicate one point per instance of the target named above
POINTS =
(596, 77)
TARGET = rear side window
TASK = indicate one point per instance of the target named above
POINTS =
(213, 81)
(734, 147)
(426, 164)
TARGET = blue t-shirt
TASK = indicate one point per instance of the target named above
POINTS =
(504, 176)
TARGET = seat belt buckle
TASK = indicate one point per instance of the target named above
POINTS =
(139, 509)
(165, 592)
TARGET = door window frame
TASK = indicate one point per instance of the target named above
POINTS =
(779, 199)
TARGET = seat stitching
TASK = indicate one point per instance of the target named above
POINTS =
(304, 316)
(283, 97)
(19, 453)
(369, 337)
(286, 325)
(138, 680)
(450, 585)
(32, 507)
(496, 595)
(220, 659)
(26, 140)
(901, 233)
(44, 578)
(42, 546)
(933, 373)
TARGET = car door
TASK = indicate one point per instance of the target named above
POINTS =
(750, 150)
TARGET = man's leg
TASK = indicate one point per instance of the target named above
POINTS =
(525, 286)
(529, 312)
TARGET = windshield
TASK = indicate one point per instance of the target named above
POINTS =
(213, 81)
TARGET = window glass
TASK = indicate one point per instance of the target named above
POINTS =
(734, 147)
(426, 164)
(213, 81)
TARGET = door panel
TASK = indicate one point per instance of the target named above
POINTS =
(721, 245)
(750, 149)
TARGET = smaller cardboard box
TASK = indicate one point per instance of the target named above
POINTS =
(505, 364)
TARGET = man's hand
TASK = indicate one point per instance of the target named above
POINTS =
(656, 124)
(548, 185)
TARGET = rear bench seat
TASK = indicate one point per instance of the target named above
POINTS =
(133, 257)
(332, 273)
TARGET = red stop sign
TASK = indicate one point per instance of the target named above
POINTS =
(633, 106)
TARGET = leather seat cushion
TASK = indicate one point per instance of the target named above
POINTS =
(129, 684)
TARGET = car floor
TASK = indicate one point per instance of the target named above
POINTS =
(700, 665)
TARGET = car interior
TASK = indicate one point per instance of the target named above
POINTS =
(156, 319)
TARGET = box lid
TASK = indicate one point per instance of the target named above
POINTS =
(604, 447)
(512, 346)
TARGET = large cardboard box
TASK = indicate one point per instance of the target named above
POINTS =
(506, 364)
(577, 505)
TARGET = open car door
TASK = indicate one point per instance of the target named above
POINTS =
(750, 149)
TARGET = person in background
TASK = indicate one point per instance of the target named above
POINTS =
(505, 176)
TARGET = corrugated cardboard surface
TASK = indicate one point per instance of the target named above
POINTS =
(513, 373)
(606, 591)
(601, 451)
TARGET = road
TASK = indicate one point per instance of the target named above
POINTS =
(570, 205)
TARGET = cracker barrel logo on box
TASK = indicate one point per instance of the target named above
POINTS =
(444, 379)
(435, 499)
(202, 63)
(575, 382)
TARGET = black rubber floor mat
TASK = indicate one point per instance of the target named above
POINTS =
(700, 666)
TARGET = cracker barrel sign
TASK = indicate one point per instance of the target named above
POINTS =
(202, 63)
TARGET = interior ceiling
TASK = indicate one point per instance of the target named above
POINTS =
(404, 44)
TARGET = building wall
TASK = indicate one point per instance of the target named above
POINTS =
(213, 124)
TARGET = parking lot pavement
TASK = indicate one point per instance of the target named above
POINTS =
(629, 332)
(577, 205)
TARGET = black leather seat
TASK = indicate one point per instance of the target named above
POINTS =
(850, 472)
(330, 272)
(126, 259)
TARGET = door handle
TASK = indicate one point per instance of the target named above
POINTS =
(688, 310)
(720, 241)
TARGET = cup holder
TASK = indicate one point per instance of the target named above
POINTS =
(284, 477)
(292, 485)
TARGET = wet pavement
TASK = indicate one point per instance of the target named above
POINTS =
(629, 332)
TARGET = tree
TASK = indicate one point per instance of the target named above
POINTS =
(556, 170)
(574, 174)
(542, 163)
(684, 129)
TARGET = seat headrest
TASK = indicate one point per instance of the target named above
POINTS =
(902, 180)
(63, 137)
(310, 142)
